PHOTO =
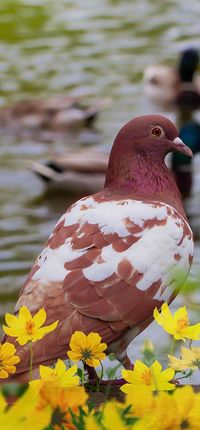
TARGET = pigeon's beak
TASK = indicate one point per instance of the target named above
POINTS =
(181, 147)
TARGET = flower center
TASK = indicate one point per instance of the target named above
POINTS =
(147, 377)
(86, 354)
(184, 424)
(29, 327)
(196, 363)
(182, 323)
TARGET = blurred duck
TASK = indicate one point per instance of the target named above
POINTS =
(56, 114)
(83, 172)
(169, 86)
(181, 164)
(78, 173)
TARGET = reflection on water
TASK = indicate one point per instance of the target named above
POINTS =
(60, 46)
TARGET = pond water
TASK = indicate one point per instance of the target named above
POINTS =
(52, 47)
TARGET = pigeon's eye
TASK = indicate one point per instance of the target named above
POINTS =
(157, 131)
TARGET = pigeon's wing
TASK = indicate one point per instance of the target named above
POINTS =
(105, 267)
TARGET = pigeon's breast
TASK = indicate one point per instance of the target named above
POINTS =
(145, 243)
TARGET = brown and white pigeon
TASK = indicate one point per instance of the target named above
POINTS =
(111, 257)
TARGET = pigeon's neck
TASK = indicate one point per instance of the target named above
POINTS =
(144, 176)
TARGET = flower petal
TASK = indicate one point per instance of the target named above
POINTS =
(23, 338)
(40, 318)
(180, 314)
(3, 373)
(45, 371)
(74, 356)
(156, 367)
(165, 318)
(24, 314)
(11, 320)
(78, 341)
(168, 374)
(41, 332)
(7, 350)
(128, 375)
(10, 331)
(93, 339)
(92, 362)
(192, 332)
(177, 363)
(72, 370)
(60, 367)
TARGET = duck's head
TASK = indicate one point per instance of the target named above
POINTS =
(188, 64)
(161, 83)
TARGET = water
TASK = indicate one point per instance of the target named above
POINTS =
(53, 47)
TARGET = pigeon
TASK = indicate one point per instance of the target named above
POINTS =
(114, 255)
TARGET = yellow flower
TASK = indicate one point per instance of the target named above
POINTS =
(153, 378)
(87, 348)
(27, 328)
(190, 359)
(58, 389)
(8, 359)
(178, 324)
(61, 400)
(142, 401)
(91, 423)
(112, 417)
(24, 414)
(60, 377)
(187, 409)
(160, 416)
(167, 412)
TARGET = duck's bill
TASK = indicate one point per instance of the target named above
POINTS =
(181, 147)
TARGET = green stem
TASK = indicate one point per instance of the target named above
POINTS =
(83, 375)
(190, 343)
(101, 376)
(31, 360)
(190, 373)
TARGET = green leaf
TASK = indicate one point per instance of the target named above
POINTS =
(80, 373)
(112, 356)
(14, 389)
(111, 371)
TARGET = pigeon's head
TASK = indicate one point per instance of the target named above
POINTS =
(152, 135)
(139, 151)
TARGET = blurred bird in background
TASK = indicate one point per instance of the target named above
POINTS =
(181, 163)
(55, 114)
(175, 86)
